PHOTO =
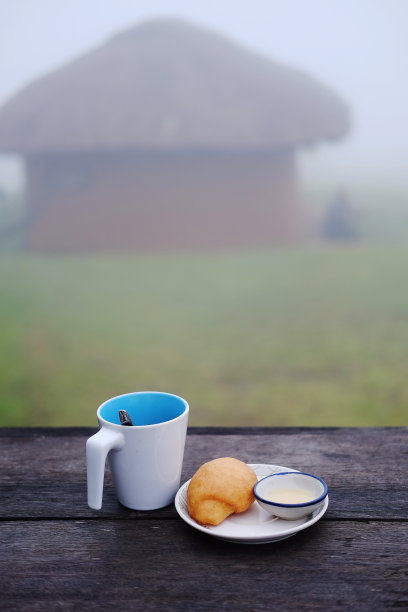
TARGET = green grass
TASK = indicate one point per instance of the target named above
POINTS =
(316, 335)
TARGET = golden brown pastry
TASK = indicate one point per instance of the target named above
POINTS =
(219, 488)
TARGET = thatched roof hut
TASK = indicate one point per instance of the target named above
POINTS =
(168, 87)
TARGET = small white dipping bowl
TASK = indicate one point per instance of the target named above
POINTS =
(290, 480)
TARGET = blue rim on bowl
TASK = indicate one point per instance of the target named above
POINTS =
(309, 503)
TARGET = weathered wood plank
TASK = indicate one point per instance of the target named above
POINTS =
(166, 565)
(42, 472)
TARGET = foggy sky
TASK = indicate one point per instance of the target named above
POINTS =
(359, 47)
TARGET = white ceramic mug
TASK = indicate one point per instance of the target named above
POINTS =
(145, 458)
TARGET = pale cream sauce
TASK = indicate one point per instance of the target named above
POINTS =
(289, 495)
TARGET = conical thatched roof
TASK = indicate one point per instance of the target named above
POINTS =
(168, 84)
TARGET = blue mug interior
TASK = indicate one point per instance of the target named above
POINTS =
(144, 408)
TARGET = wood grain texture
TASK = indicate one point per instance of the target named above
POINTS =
(43, 471)
(57, 553)
(166, 565)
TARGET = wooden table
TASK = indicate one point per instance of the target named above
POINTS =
(56, 553)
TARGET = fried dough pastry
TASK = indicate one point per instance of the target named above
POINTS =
(219, 488)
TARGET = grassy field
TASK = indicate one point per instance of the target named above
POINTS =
(316, 335)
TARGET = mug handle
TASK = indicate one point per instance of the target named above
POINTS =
(97, 449)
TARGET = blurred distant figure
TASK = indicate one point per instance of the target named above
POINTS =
(339, 223)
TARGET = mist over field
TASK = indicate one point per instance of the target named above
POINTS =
(306, 329)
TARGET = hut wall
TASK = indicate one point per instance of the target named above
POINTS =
(159, 201)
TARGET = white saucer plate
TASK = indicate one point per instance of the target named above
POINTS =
(255, 526)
